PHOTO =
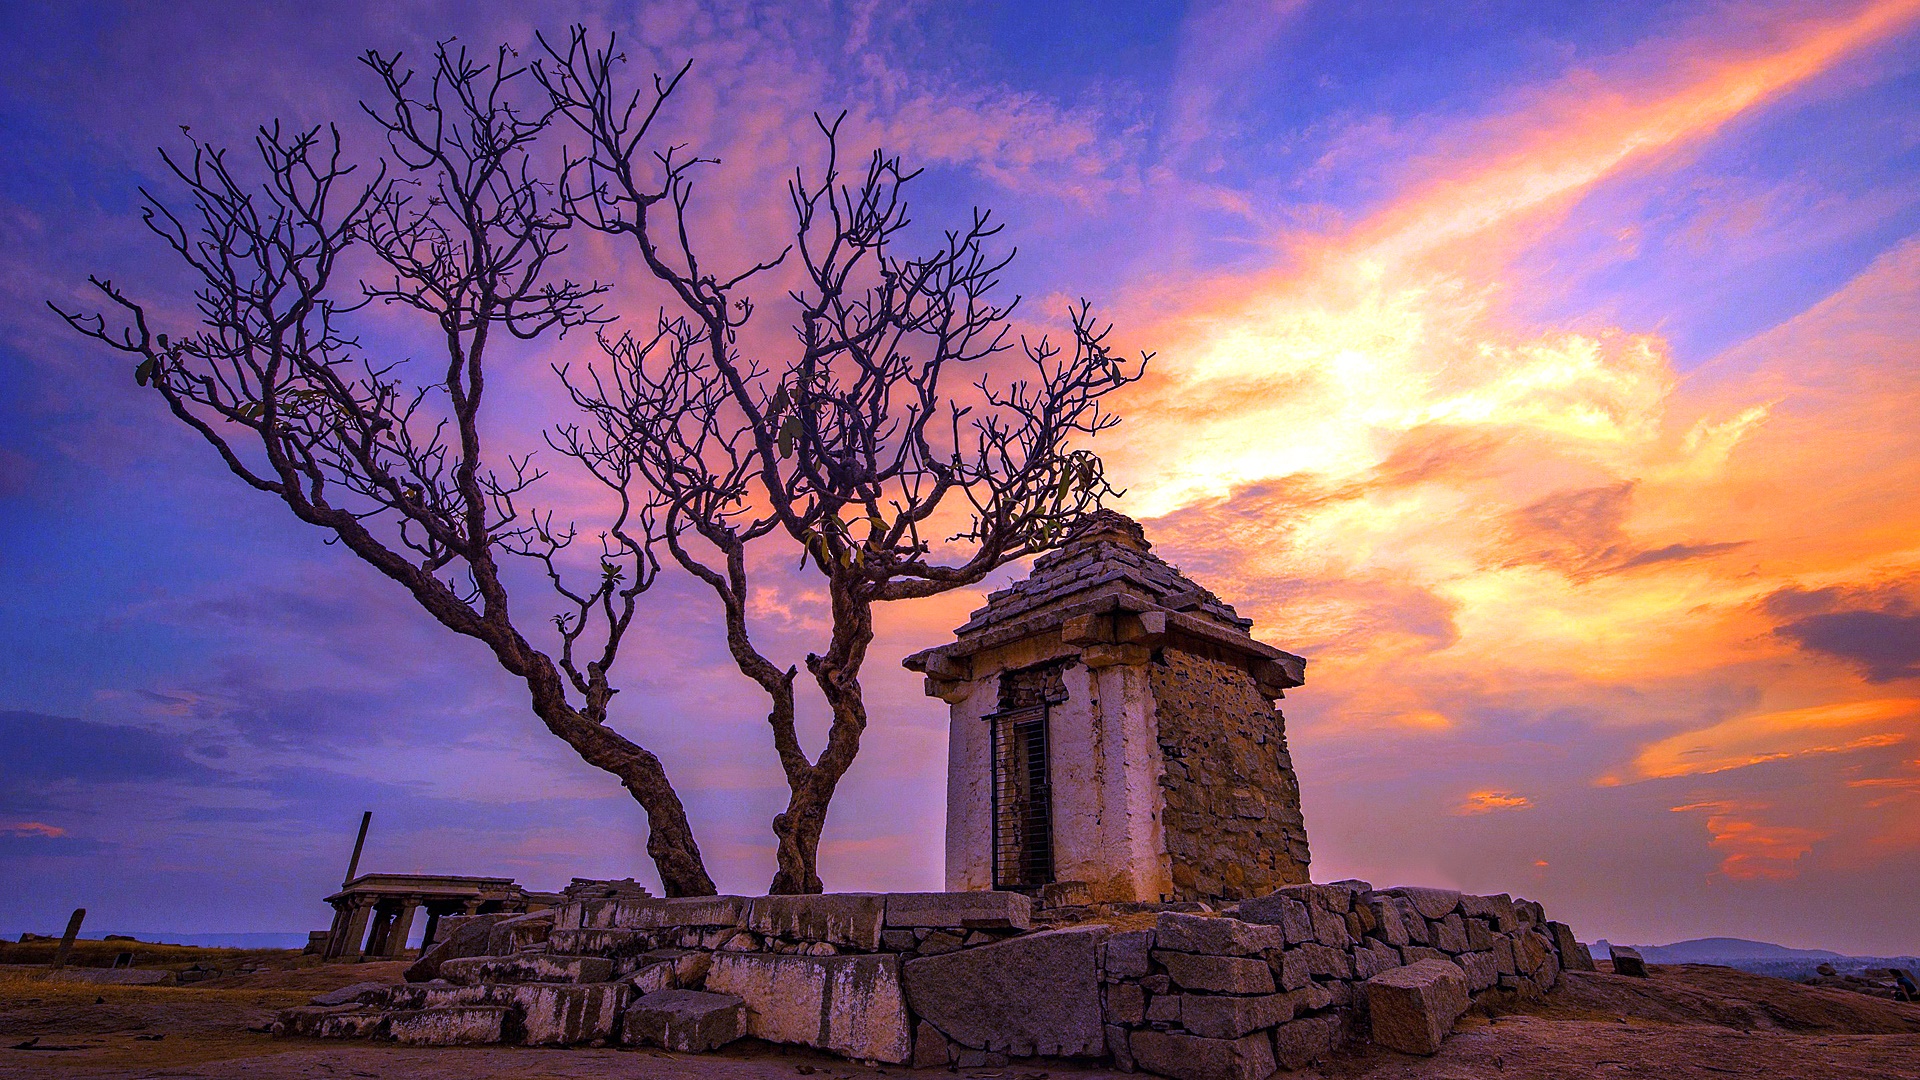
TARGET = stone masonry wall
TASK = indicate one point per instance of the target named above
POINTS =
(1232, 817)
(964, 979)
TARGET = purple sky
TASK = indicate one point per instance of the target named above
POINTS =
(1544, 373)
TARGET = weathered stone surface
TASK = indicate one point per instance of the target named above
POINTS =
(1413, 1008)
(1497, 909)
(1332, 963)
(1305, 1041)
(980, 910)
(851, 1005)
(1573, 955)
(1329, 927)
(1480, 968)
(685, 1021)
(1280, 909)
(1221, 974)
(1120, 1049)
(1038, 991)
(1311, 997)
(1430, 903)
(1290, 969)
(519, 933)
(460, 936)
(558, 1014)
(358, 993)
(532, 967)
(1127, 954)
(613, 944)
(1479, 935)
(1215, 935)
(1126, 1003)
(458, 1025)
(1449, 934)
(1530, 952)
(1413, 954)
(657, 913)
(1373, 959)
(1231, 800)
(854, 919)
(929, 1047)
(1232, 1017)
(1190, 1057)
(349, 1021)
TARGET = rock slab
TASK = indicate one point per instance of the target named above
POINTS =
(1413, 1008)
(1036, 994)
(1628, 961)
(851, 1005)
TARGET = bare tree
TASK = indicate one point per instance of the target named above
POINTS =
(854, 443)
(460, 227)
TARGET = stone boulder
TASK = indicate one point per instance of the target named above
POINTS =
(1218, 974)
(1627, 961)
(1190, 1057)
(685, 1021)
(1413, 1008)
(1034, 994)
(1573, 955)
(461, 936)
(851, 1005)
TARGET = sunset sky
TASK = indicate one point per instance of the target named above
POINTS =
(1548, 375)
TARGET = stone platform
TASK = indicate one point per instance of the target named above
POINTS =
(972, 979)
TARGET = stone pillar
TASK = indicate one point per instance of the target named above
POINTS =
(471, 907)
(970, 787)
(433, 927)
(353, 939)
(401, 926)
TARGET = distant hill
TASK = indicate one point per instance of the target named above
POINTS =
(273, 940)
(1759, 957)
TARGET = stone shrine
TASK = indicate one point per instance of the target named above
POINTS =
(1115, 736)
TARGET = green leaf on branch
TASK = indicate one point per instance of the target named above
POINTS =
(145, 372)
(789, 431)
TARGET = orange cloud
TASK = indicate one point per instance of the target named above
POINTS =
(1774, 736)
(1754, 850)
(32, 828)
(1486, 802)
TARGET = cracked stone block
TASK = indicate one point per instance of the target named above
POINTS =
(527, 968)
(851, 1005)
(686, 1021)
(854, 919)
(1038, 993)
(458, 1025)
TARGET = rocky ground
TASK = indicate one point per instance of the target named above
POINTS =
(1686, 1023)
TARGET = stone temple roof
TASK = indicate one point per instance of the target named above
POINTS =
(1106, 549)
(1105, 570)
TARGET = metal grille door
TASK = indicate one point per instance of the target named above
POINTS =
(1022, 800)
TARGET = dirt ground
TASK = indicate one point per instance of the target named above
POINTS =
(1686, 1023)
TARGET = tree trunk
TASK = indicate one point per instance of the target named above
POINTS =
(838, 675)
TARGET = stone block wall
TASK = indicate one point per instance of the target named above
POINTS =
(1232, 803)
(961, 979)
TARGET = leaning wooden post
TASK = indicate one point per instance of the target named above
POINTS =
(66, 939)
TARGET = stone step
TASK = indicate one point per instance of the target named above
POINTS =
(530, 967)
(686, 1021)
(454, 1025)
